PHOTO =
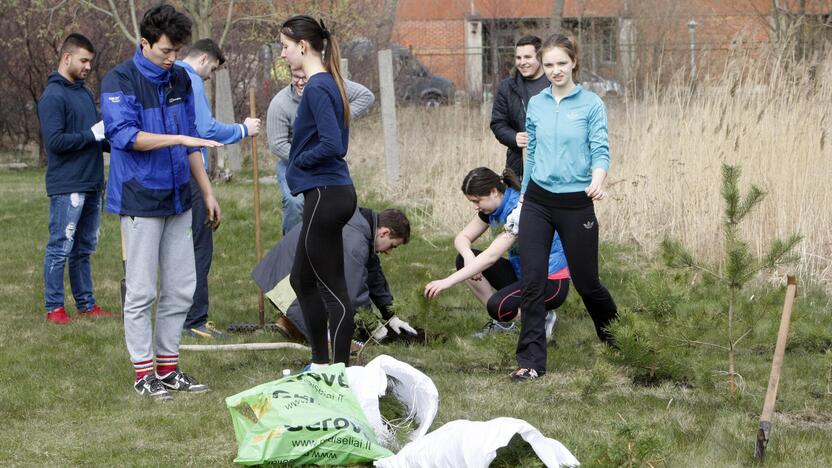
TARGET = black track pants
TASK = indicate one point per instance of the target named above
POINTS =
(573, 216)
(318, 272)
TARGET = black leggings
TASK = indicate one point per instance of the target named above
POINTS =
(318, 272)
(504, 304)
(573, 216)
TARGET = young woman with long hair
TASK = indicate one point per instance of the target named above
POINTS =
(318, 170)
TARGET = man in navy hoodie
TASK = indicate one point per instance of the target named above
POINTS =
(149, 116)
(74, 180)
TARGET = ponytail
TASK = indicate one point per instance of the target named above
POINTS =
(332, 63)
(511, 179)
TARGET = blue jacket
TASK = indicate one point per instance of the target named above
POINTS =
(138, 95)
(206, 125)
(319, 139)
(497, 221)
(74, 161)
(567, 141)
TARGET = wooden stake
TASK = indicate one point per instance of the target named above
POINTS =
(776, 366)
(256, 174)
(244, 347)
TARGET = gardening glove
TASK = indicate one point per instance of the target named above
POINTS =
(98, 130)
(380, 334)
(398, 325)
(513, 220)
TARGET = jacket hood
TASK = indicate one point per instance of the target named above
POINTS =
(56, 77)
(156, 74)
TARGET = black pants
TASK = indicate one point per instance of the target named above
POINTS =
(318, 272)
(504, 304)
(573, 216)
(203, 238)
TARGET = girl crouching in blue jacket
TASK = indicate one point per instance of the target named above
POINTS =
(495, 199)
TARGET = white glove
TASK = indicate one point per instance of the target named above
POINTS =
(513, 219)
(98, 130)
(252, 126)
(380, 333)
(398, 325)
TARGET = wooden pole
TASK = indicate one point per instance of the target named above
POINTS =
(776, 366)
(256, 174)
(388, 114)
(244, 347)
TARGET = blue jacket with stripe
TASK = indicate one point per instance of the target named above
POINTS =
(138, 95)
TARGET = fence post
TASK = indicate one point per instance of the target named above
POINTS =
(228, 156)
(473, 57)
(388, 114)
(345, 68)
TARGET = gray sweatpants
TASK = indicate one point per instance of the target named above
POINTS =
(157, 249)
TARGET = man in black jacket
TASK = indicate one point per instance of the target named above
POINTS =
(508, 116)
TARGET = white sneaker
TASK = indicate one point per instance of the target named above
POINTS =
(551, 319)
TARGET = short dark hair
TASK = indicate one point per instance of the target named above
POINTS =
(529, 40)
(206, 46)
(164, 19)
(76, 41)
(396, 222)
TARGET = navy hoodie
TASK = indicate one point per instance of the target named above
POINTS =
(320, 138)
(66, 112)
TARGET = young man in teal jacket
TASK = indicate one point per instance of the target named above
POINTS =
(202, 60)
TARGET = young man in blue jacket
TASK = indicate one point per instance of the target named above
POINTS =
(149, 116)
(203, 58)
(74, 180)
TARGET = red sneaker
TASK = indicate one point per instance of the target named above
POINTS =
(58, 316)
(94, 312)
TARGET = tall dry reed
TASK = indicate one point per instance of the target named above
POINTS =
(666, 152)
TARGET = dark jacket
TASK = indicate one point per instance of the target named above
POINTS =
(138, 95)
(508, 117)
(320, 138)
(366, 282)
(74, 161)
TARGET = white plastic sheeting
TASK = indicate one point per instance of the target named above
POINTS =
(474, 444)
(412, 388)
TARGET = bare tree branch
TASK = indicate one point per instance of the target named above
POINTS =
(227, 22)
(132, 6)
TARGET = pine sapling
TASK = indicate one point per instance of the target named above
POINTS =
(739, 264)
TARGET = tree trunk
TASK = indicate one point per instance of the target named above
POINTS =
(556, 21)
(388, 20)
(732, 383)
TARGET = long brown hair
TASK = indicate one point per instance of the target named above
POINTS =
(305, 28)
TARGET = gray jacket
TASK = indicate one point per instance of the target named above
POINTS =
(366, 283)
(280, 119)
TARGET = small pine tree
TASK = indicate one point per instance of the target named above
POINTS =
(739, 264)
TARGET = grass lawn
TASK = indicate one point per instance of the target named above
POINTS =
(66, 396)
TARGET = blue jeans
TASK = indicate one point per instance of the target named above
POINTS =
(73, 234)
(292, 206)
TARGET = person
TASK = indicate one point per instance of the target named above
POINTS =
(367, 234)
(281, 119)
(204, 57)
(495, 198)
(508, 115)
(318, 169)
(567, 162)
(73, 139)
(149, 116)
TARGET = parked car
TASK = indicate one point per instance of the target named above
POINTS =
(413, 81)
(600, 85)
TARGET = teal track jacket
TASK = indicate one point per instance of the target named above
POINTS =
(567, 140)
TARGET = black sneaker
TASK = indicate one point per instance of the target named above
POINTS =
(493, 327)
(523, 374)
(151, 386)
(178, 380)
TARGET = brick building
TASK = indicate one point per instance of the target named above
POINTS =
(470, 41)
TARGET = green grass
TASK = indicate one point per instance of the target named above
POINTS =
(66, 396)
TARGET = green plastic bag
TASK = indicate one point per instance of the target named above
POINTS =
(308, 418)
